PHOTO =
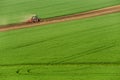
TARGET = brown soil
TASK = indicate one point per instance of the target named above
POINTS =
(88, 14)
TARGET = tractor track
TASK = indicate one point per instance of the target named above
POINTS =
(46, 21)
(104, 63)
(26, 69)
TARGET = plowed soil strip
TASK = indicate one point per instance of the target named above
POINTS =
(83, 15)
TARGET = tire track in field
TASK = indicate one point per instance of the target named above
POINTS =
(83, 15)
(36, 70)
(104, 63)
(84, 53)
(47, 71)
(62, 70)
(28, 71)
(64, 60)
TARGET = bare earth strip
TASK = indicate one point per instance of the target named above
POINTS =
(83, 15)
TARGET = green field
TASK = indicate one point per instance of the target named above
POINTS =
(87, 49)
(14, 11)
(79, 42)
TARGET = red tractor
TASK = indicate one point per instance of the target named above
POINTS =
(34, 19)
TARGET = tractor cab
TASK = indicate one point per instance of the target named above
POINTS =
(35, 19)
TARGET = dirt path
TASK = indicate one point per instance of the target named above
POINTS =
(88, 14)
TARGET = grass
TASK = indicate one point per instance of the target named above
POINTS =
(79, 42)
(14, 11)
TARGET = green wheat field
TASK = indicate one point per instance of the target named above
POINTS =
(86, 49)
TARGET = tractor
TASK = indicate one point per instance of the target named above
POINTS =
(34, 19)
